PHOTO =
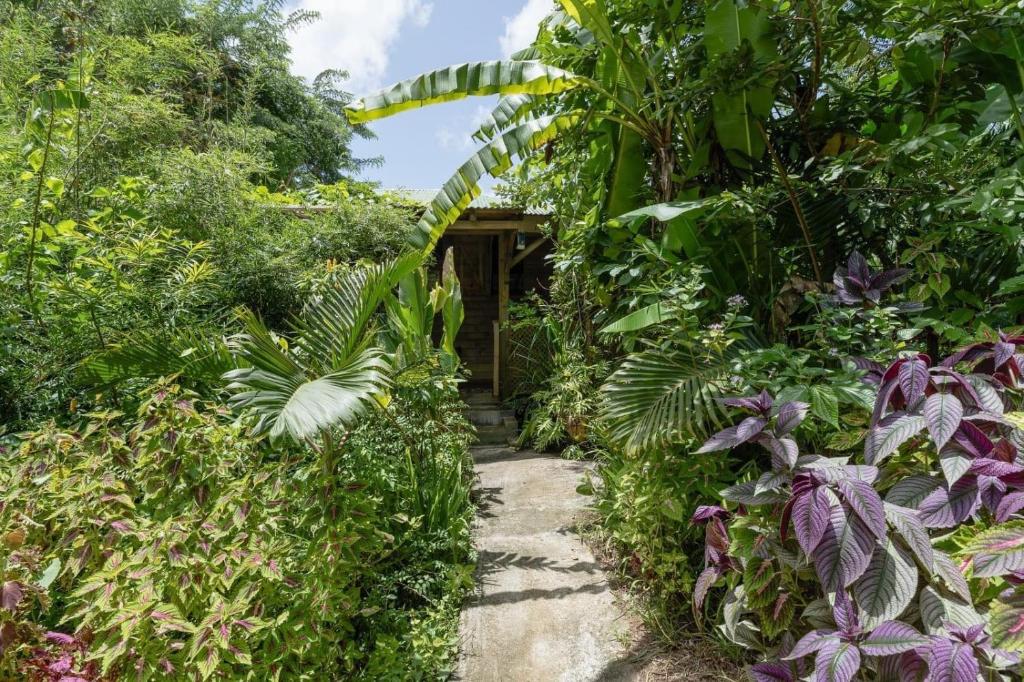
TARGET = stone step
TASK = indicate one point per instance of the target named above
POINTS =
(499, 434)
(489, 416)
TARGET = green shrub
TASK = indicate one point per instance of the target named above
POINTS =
(172, 545)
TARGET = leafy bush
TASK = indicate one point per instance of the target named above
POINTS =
(172, 546)
(871, 578)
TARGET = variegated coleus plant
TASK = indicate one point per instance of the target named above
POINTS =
(832, 565)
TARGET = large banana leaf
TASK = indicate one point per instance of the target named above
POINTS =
(509, 110)
(457, 82)
(736, 114)
(591, 15)
(492, 159)
(657, 396)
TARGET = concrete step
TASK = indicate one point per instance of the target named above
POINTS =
(499, 434)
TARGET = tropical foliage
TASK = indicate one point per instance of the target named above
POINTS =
(221, 457)
(717, 162)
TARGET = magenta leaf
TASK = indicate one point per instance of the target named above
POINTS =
(892, 637)
(973, 440)
(785, 451)
(11, 594)
(889, 434)
(746, 430)
(945, 508)
(944, 412)
(863, 499)
(771, 672)
(1009, 505)
(913, 532)
(844, 552)
(702, 585)
(810, 518)
(1001, 352)
(707, 512)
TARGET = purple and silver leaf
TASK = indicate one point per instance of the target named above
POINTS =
(888, 586)
(785, 451)
(946, 508)
(955, 464)
(943, 412)
(950, 661)
(889, 434)
(811, 512)
(811, 642)
(892, 637)
(911, 491)
(946, 570)
(790, 416)
(913, 378)
(913, 532)
(845, 550)
(770, 672)
(1011, 504)
(1001, 352)
(837, 662)
(863, 499)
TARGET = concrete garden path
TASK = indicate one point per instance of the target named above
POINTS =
(543, 610)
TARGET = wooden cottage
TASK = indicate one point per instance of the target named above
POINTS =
(500, 256)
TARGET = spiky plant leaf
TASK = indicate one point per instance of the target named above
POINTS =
(151, 355)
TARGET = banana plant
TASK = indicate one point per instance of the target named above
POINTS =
(412, 311)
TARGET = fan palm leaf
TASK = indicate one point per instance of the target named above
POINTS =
(657, 396)
(335, 370)
(151, 355)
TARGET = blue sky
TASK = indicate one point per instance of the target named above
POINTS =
(383, 41)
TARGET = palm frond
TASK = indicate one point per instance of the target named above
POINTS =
(184, 353)
(656, 397)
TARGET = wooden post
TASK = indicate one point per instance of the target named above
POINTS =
(504, 252)
(497, 359)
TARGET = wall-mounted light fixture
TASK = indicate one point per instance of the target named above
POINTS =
(520, 241)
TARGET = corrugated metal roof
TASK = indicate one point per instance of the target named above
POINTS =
(484, 201)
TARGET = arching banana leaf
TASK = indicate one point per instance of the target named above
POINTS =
(510, 110)
(492, 159)
(457, 82)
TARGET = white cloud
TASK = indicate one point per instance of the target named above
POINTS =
(354, 35)
(521, 29)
